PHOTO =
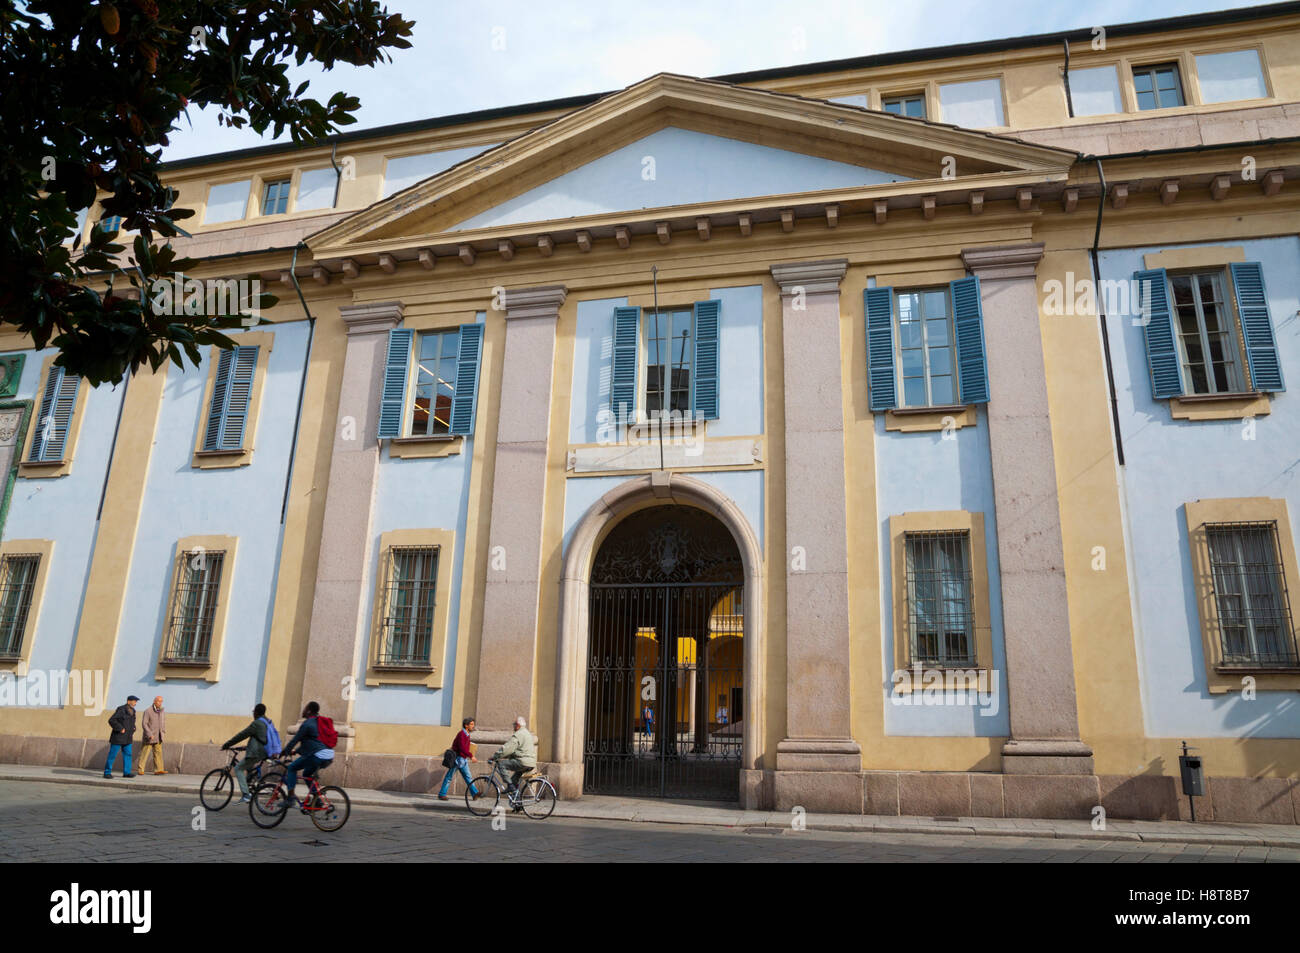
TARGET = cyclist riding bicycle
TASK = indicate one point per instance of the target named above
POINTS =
(256, 733)
(315, 753)
(518, 754)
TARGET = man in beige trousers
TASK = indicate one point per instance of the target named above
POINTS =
(152, 725)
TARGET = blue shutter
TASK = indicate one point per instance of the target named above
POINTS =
(238, 397)
(968, 321)
(882, 382)
(392, 397)
(65, 402)
(52, 380)
(1158, 331)
(464, 402)
(217, 408)
(704, 393)
(622, 382)
(1256, 326)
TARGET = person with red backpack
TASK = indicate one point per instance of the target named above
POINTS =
(317, 738)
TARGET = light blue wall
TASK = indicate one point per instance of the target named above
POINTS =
(64, 509)
(181, 501)
(1170, 462)
(689, 167)
(920, 472)
(418, 494)
(740, 400)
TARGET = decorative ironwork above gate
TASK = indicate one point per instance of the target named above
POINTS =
(668, 544)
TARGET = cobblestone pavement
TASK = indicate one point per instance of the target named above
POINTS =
(42, 822)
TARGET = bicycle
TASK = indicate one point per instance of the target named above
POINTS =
(218, 785)
(535, 795)
(328, 807)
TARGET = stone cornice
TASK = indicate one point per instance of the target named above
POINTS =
(372, 317)
(1003, 261)
(541, 302)
(812, 276)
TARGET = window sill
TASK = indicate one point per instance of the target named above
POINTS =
(1219, 406)
(425, 447)
(977, 679)
(168, 669)
(426, 676)
(44, 469)
(221, 459)
(919, 419)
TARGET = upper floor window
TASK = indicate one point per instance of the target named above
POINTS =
(1207, 339)
(275, 197)
(1158, 86)
(195, 595)
(17, 584)
(669, 354)
(435, 383)
(111, 223)
(54, 417)
(1254, 618)
(409, 606)
(976, 104)
(853, 99)
(912, 104)
(227, 202)
(1095, 92)
(940, 617)
(316, 188)
(927, 371)
(1228, 77)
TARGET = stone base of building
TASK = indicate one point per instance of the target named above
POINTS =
(890, 793)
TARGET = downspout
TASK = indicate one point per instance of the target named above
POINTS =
(1101, 314)
(1069, 100)
(302, 383)
(338, 184)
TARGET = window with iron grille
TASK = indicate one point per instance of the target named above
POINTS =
(940, 615)
(17, 582)
(407, 635)
(1250, 595)
(194, 607)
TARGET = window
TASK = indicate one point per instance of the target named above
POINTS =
(1254, 618)
(910, 105)
(17, 585)
(1158, 87)
(1095, 92)
(1228, 77)
(975, 105)
(926, 368)
(404, 171)
(316, 189)
(195, 597)
(440, 399)
(110, 223)
(853, 99)
(53, 431)
(232, 400)
(275, 197)
(669, 351)
(435, 383)
(227, 202)
(939, 615)
(410, 602)
(1207, 340)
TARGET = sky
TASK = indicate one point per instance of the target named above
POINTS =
(470, 56)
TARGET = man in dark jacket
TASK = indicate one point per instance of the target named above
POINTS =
(122, 722)
(310, 761)
(256, 735)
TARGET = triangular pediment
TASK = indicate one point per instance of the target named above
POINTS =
(674, 143)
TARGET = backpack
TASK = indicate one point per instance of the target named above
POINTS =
(273, 743)
(325, 731)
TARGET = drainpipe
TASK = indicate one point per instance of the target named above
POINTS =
(338, 184)
(302, 383)
(1069, 100)
(1101, 314)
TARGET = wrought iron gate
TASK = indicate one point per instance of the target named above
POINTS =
(665, 701)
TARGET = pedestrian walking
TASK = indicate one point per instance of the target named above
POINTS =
(122, 721)
(460, 754)
(152, 726)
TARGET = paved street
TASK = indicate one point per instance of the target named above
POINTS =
(43, 822)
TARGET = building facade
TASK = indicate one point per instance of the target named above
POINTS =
(908, 434)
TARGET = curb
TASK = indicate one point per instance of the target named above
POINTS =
(429, 802)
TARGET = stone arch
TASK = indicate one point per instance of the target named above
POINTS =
(639, 493)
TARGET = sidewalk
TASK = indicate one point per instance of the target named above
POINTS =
(721, 815)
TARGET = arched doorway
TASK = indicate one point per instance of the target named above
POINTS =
(665, 670)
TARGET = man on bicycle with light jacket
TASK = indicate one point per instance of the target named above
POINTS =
(518, 754)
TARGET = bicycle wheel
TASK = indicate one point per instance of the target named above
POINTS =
(334, 809)
(488, 795)
(538, 798)
(269, 805)
(216, 789)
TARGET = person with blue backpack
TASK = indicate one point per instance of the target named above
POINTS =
(263, 742)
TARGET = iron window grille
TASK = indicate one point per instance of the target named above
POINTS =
(940, 612)
(1250, 595)
(669, 351)
(409, 603)
(194, 607)
(275, 197)
(17, 583)
(1158, 86)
